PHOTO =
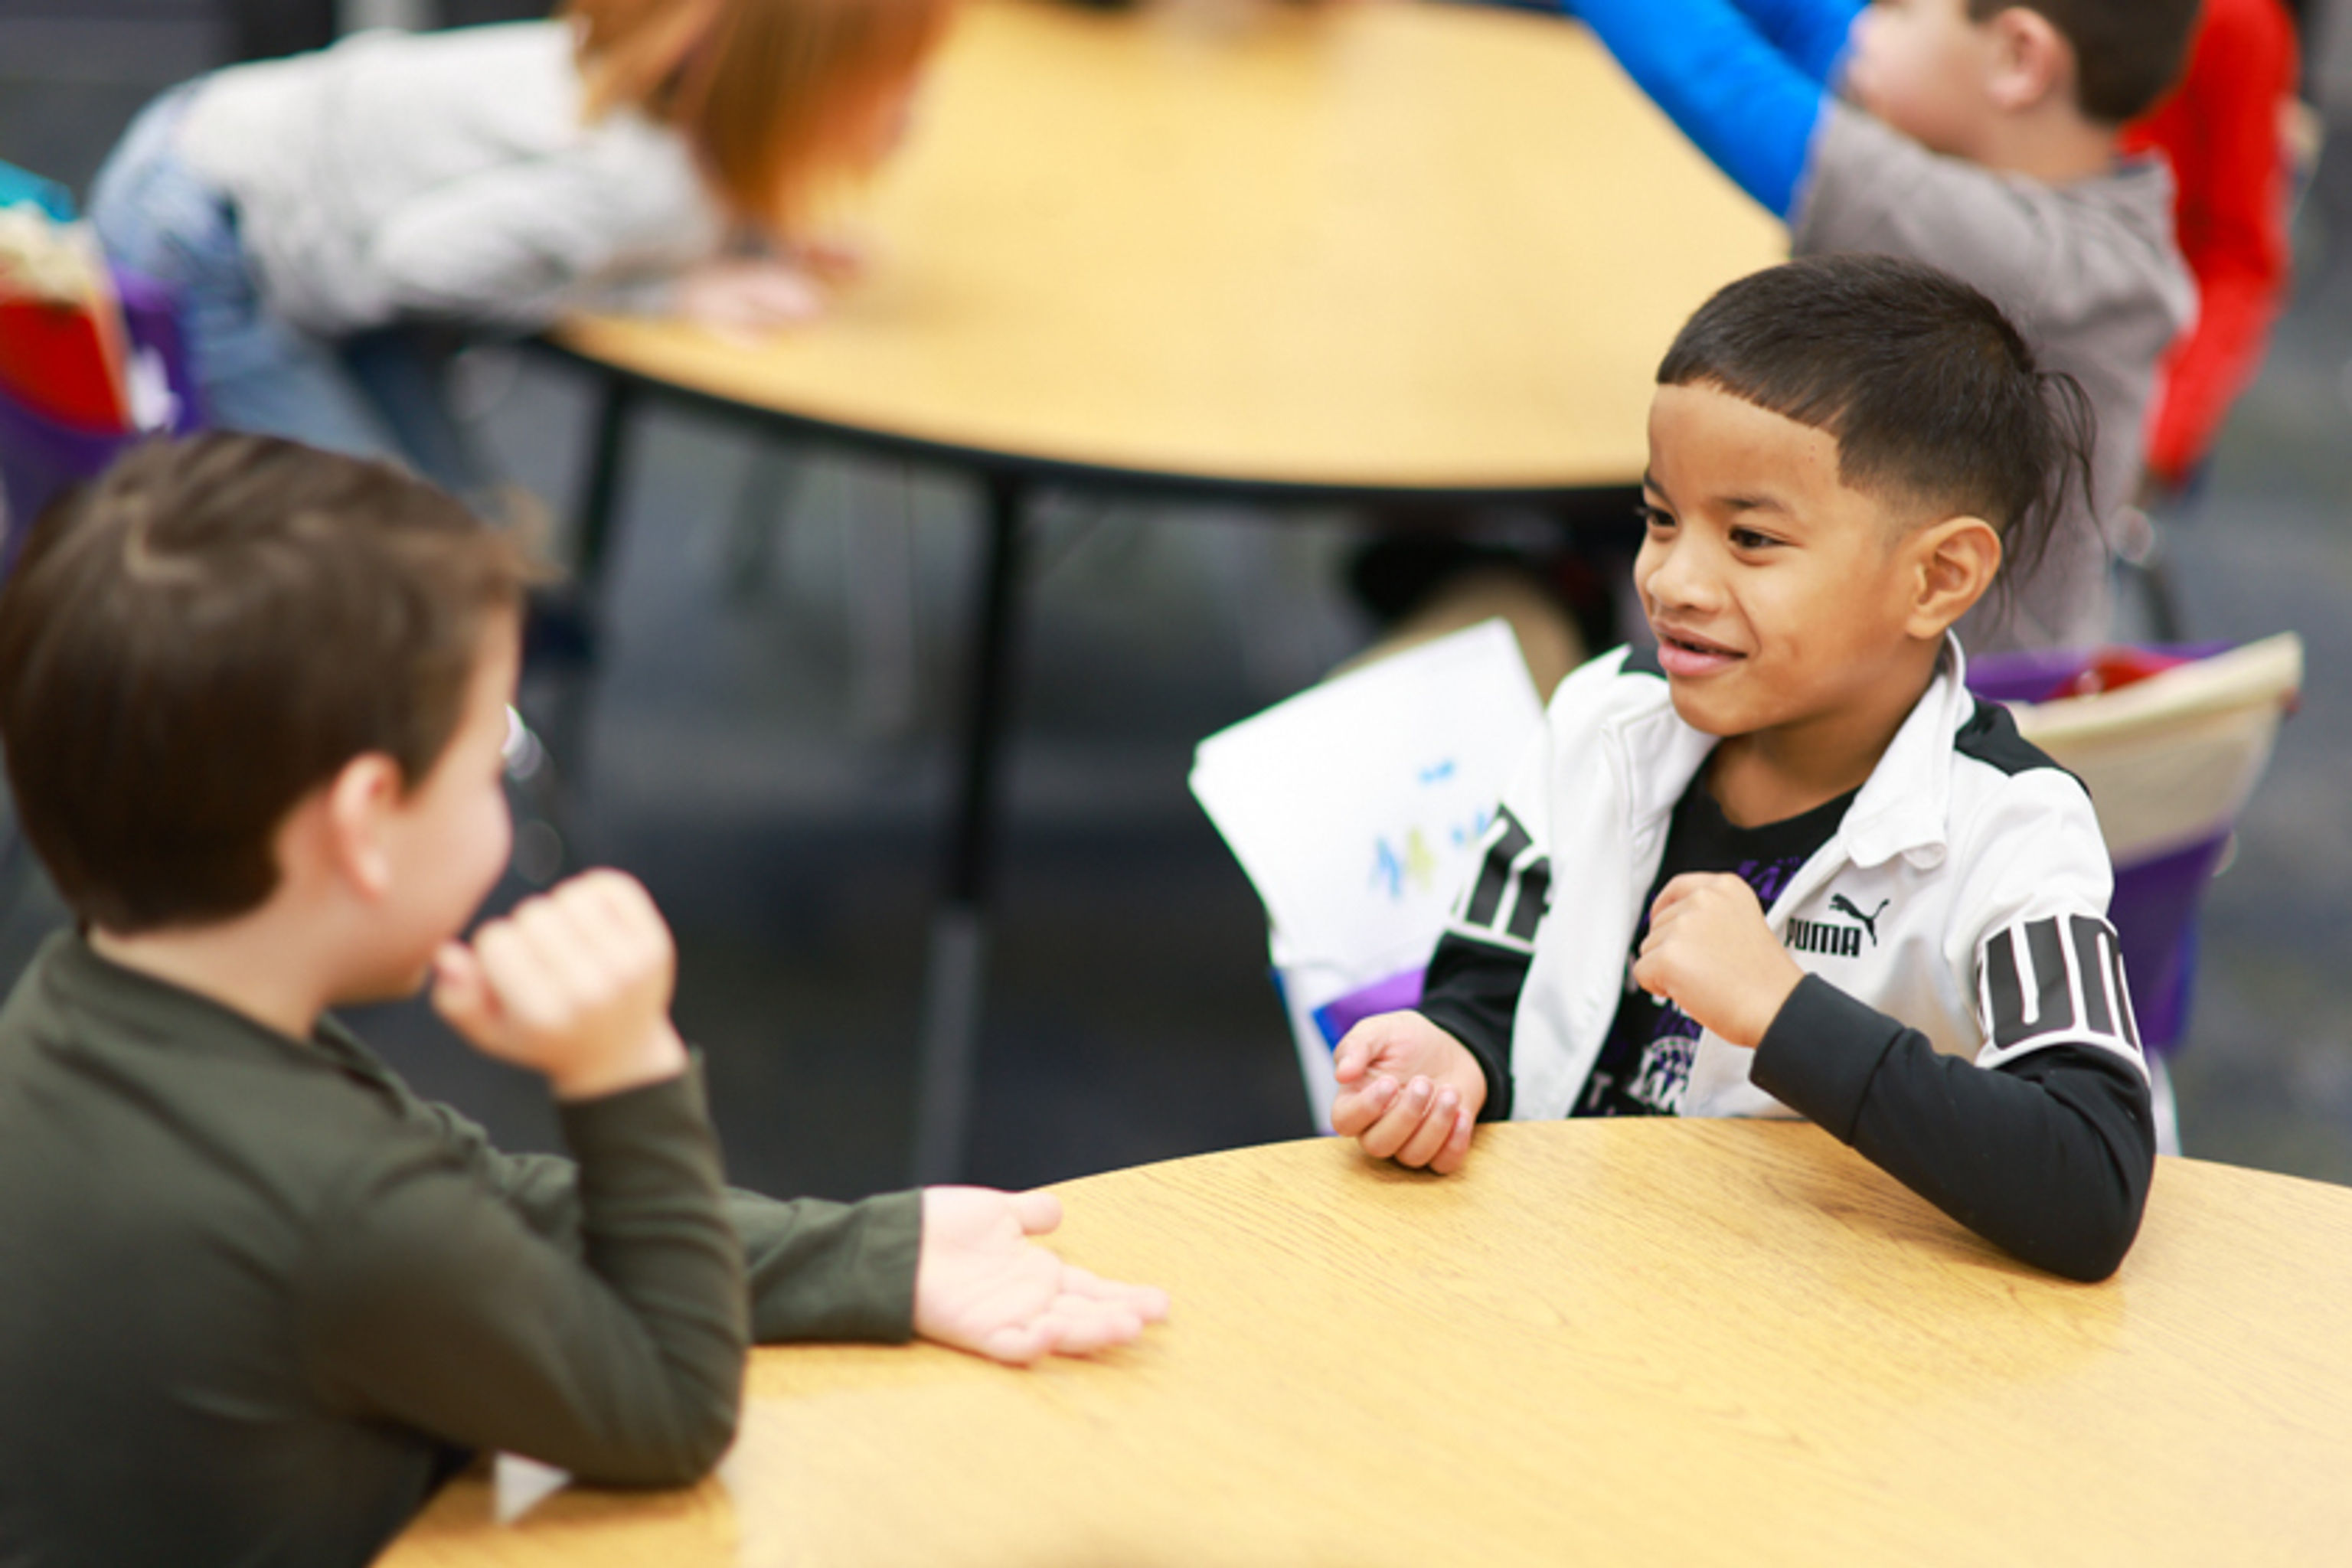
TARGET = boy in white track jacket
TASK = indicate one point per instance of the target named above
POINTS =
(1786, 862)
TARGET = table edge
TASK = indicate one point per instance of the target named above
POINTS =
(1588, 502)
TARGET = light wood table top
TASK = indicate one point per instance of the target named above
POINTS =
(1662, 1342)
(1379, 245)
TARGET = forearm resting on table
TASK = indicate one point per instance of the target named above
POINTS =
(2048, 1157)
(616, 1353)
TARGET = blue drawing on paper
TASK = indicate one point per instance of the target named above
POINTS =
(1407, 861)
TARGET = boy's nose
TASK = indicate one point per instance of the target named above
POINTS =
(1676, 575)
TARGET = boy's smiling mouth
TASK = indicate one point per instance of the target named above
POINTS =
(1687, 652)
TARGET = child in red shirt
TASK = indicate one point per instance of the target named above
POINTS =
(2222, 130)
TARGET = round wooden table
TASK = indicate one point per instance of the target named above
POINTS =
(1662, 1341)
(1372, 248)
(1403, 253)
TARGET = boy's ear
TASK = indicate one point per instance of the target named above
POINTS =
(1955, 562)
(357, 807)
(2031, 60)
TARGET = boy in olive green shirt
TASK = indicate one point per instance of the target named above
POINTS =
(258, 1298)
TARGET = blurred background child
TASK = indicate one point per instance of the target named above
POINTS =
(2231, 133)
(318, 215)
(1985, 138)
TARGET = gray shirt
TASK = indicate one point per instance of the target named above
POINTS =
(444, 174)
(256, 1298)
(2089, 271)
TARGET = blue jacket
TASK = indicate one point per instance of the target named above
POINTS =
(1746, 79)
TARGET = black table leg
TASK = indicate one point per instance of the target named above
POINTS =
(565, 625)
(954, 969)
(607, 450)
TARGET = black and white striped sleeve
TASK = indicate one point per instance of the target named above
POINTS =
(2046, 1142)
(1481, 962)
(2056, 981)
(2049, 1154)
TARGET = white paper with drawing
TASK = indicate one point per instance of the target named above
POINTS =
(1356, 807)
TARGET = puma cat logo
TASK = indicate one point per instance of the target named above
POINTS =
(1846, 906)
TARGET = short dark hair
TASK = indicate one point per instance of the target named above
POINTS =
(1933, 396)
(2128, 53)
(209, 631)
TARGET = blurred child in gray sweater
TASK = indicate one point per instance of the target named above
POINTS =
(1980, 136)
(306, 211)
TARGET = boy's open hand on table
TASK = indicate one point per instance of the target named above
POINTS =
(1409, 1091)
(575, 984)
(832, 259)
(1710, 953)
(748, 296)
(982, 1285)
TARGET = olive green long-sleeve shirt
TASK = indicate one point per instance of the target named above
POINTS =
(256, 1298)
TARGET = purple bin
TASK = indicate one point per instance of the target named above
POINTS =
(39, 456)
(2155, 901)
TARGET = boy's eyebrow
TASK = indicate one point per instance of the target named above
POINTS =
(1735, 504)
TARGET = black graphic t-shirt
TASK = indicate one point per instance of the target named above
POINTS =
(1646, 1066)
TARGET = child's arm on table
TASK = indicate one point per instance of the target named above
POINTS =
(2048, 1155)
(1409, 1091)
(933, 1263)
(954, 1265)
(512, 246)
(885, 1269)
(747, 295)
(518, 246)
(427, 1302)
(1414, 1085)
(982, 1286)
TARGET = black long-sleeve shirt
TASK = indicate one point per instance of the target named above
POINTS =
(2048, 1155)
